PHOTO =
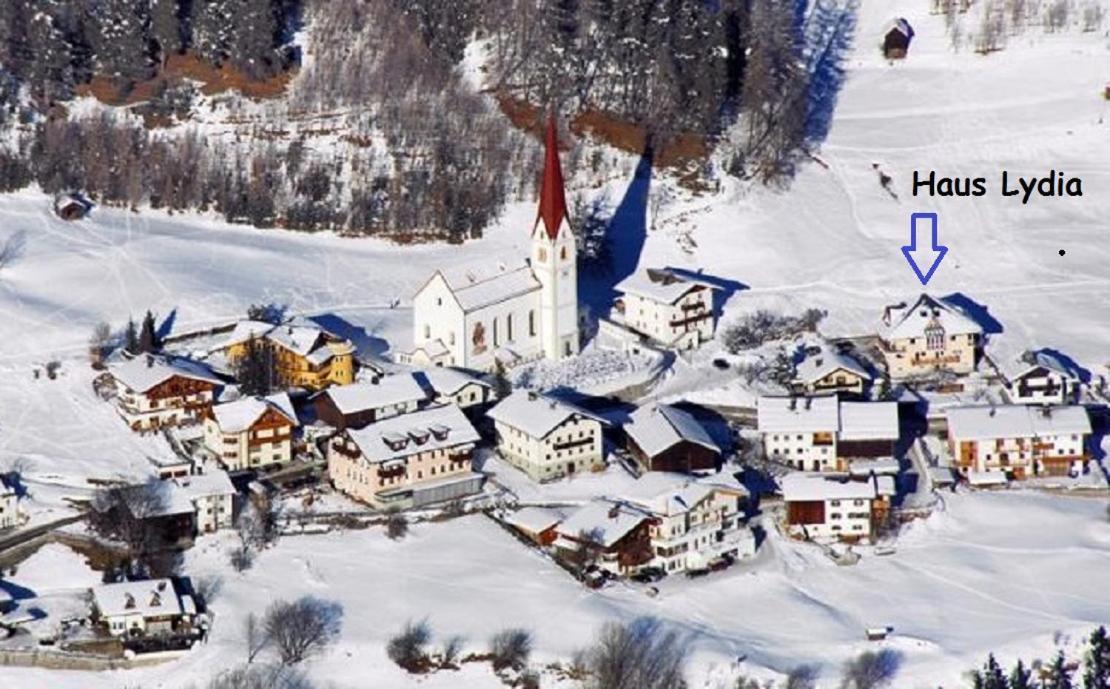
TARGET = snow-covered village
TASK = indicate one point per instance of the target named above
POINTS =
(554, 345)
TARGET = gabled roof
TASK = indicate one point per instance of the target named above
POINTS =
(868, 421)
(657, 428)
(798, 414)
(397, 437)
(816, 366)
(388, 391)
(901, 322)
(1040, 359)
(801, 487)
(477, 288)
(827, 414)
(1016, 421)
(154, 597)
(298, 335)
(606, 522)
(534, 519)
(661, 284)
(238, 416)
(443, 380)
(536, 414)
(213, 483)
(147, 371)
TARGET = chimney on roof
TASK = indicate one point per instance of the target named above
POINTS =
(149, 361)
(614, 511)
(532, 396)
(1046, 412)
(793, 403)
(809, 402)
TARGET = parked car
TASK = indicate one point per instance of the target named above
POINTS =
(649, 575)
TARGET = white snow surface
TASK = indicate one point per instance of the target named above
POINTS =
(1011, 572)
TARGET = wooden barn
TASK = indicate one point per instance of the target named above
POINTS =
(666, 438)
(896, 43)
(71, 206)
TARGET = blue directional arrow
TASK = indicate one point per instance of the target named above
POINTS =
(928, 256)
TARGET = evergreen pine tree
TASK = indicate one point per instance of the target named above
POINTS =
(120, 40)
(1096, 674)
(131, 337)
(168, 28)
(992, 676)
(148, 335)
(255, 369)
(1058, 675)
(1021, 677)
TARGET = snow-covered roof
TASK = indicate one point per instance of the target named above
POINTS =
(683, 497)
(660, 285)
(534, 519)
(605, 522)
(447, 381)
(991, 477)
(901, 25)
(298, 335)
(866, 467)
(409, 434)
(214, 483)
(238, 416)
(476, 288)
(1041, 359)
(798, 414)
(146, 371)
(151, 598)
(904, 322)
(536, 414)
(1016, 421)
(657, 428)
(804, 487)
(388, 391)
(827, 414)
(816, 366)
(868, 421)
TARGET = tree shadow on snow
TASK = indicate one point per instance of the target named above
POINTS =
(166, 327)
(830, 33)
(624, 236)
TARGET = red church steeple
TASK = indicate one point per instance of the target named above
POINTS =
(553, 200)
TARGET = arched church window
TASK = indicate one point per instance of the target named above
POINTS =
(509, 327)
(532, 323)
(563, 254)
(478, 338)
(427, 331)
(541, 254)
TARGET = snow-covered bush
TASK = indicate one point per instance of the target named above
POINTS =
(408, 649)
(510, 649)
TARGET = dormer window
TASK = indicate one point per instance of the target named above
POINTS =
(440, 432)
(128, 601)
(155, 600)
(419, 436)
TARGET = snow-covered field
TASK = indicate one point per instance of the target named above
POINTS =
(1009, 573)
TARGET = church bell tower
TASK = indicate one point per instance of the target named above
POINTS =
(555, 258)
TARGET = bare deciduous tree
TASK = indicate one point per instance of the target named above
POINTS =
(639, 655)
(871, 670)
(303, 627)
(510, 648)
(407, 649)
(256, 637)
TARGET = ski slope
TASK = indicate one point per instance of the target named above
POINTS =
(1011, 573)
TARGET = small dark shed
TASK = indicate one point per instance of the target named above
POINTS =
(896, 44)
(71, 206)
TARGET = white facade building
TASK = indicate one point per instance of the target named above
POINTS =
(670, 308)
(547, 438)
(1042, 378)
(138, 608)
(827, 370)
(452, 386)
(505, 315)
(821, 508)
(154, 392)
(213, 498)
(695, 523)
(10, 513)
(825, 433)
(251, 433)
(928, 337)
(1019, 440)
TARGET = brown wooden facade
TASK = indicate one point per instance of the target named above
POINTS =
(682, 457)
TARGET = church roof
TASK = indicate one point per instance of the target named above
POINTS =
(553, 201)
(475, 289)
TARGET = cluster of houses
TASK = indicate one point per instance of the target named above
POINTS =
(408, 439)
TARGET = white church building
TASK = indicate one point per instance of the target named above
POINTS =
(506, 313)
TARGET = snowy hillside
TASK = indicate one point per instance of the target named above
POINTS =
(1012, 573)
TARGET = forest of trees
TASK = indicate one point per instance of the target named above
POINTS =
(408, 147)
